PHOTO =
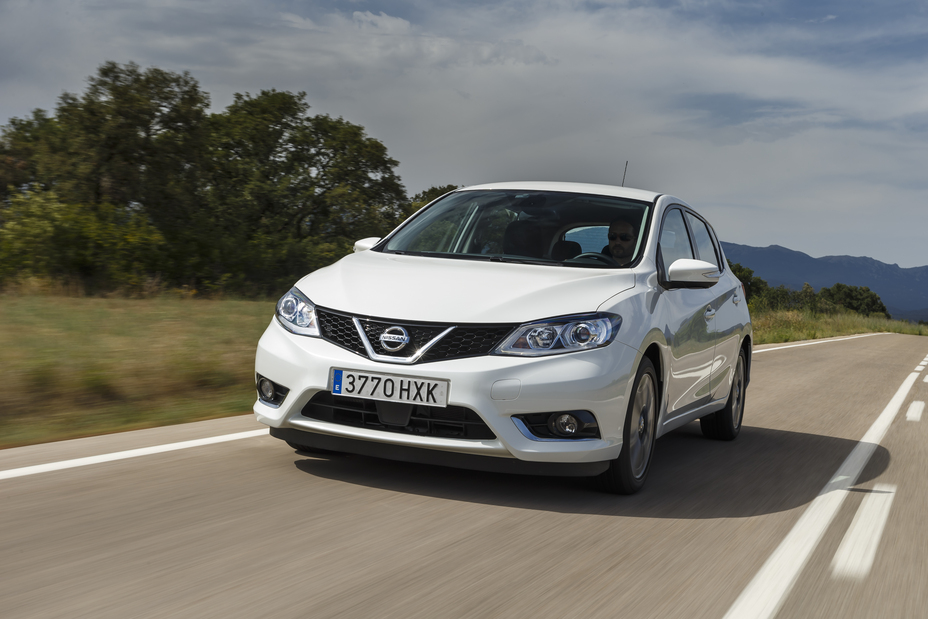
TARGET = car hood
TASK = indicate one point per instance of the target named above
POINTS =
(427, 289)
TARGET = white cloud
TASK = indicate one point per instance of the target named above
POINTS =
(773, 146)
(380, 24)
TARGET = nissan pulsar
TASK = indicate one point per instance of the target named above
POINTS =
(536, 328)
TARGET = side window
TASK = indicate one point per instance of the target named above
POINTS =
(675, 242)
(704, 244)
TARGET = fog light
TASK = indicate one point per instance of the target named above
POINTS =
(560, 425)
(565, 424)
(266, 388)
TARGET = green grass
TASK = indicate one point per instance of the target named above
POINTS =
(78, 366)
(790, 326)
(85, 366)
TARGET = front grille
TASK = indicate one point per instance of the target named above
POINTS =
(463, 341)
(448, 422)
(419, 336)
(467, 341)
(339, 329)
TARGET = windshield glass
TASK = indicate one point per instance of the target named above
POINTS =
(569, 229)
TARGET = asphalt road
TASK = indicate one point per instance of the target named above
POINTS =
(248, 528)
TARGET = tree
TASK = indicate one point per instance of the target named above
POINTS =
(104, 246)
(22, 144)
(290, 192)
(432, 193)
(857, 299)
(252, 197)
(133, 141)
(754, 286)
(134, 137)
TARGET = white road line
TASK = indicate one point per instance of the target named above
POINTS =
(858, 548)
(915, 411)
(764, 595)
(920, 368)
(122, 455)
(834, 339)
(926, 379)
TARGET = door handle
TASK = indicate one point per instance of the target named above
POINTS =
(710, 313)
(737, 299)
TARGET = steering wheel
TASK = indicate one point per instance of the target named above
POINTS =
(601, 257)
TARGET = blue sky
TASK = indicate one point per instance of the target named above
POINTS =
(802, 124)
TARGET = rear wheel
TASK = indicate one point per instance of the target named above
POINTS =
(627, 473)
(725, 425)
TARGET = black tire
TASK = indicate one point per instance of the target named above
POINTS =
(310, 450)
(627, 473)
(725, 425)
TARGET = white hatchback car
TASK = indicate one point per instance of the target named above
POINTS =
(540, 328)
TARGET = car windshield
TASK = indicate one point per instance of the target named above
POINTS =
(544, 227)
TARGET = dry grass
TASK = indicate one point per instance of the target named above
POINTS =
(82, 366)
(77, 366)
(790, 326)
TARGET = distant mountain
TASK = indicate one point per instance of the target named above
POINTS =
(903, 291)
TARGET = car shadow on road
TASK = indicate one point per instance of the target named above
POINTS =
(763, 471)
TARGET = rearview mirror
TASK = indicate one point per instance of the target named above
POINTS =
(365, 244)
(688, 273)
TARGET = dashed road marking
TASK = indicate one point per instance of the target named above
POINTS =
(764, 595)
(122, 455)
(920, 368)
(858, 548)
(926, 379)
(915, 411)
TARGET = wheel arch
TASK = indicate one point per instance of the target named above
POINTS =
(747, 346)
(653, 353)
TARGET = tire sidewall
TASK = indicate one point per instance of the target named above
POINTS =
(620, 475)
(727, 430)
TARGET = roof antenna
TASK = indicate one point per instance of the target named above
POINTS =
(624, 173)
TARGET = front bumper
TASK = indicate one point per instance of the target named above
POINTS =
(598, 381)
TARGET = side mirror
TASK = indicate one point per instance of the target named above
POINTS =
(687, 273)
(365, 244)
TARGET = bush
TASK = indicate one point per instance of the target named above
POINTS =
(105, 247)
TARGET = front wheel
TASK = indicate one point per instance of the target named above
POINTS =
(725, 425)
(626, 474)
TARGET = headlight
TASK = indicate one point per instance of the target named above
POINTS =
(560, 335)
(297, 314)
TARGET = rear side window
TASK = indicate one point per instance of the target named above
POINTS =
(675, 242)
(704, 244)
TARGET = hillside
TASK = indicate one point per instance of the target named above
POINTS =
(903, 291)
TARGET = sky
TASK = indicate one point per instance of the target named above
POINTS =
(794, 123)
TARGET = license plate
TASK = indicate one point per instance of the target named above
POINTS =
(390, 388)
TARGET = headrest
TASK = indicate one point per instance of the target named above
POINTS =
(565, 250)
(523, 238)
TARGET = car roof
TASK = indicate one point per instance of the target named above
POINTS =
(588, 188)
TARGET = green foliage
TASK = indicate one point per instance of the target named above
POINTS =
(147, 184)
(105, 246)
(291, 192)
(432, 193)
(857, 299)
(837, 299)
(22, 145)
(753, 285)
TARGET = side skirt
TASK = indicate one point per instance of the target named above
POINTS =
(681, 420)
